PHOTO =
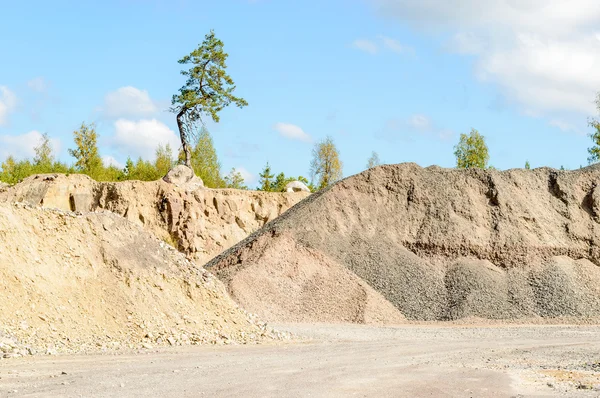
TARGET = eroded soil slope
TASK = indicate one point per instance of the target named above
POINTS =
(439, 244)
(73, 282)
(199, 222)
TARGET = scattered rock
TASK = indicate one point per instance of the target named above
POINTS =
(296, 186)
(181, 175)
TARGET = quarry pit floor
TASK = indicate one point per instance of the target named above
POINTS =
(335, 361)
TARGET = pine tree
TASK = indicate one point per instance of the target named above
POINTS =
(207, 91)
(266, 178)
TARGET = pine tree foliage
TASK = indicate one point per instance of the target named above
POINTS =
(207, 90)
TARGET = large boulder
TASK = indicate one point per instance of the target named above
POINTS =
(296, 186)
(181, 174)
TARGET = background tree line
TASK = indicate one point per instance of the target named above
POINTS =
(87, 160)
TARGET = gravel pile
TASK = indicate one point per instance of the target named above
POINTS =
(438, 244)
(96, 282)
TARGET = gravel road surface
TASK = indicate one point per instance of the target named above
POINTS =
(335, 361)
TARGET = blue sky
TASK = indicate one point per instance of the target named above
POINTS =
(398, 77)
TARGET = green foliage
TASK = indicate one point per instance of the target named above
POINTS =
(373, 160)
(110, 173)
(527, 165)
(562, 168)
(44, 162)
(280, 182)
(142, 170)
(266, 178)
(207, 90)
(163, 162)
(205, 163)
(471, 151)
(14, 171)
(594, 151)
(326, 166)
(88, 160)
(235, 180)
(269, 183)
(43, 154)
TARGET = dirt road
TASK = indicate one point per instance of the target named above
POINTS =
(336, 361)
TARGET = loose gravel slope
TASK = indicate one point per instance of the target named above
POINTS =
(438, 244)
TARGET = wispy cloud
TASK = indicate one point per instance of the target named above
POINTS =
(420, 122)
(395, 46)
(8, 102)
(365, 45)
(384, 42)
(292, 132)
(543, 55)
(565, 126)
(405, 129)
(38, 84)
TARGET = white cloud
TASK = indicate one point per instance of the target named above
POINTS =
(22, 146)
(141, 138)
(38, 84)
(292, 132)
(543, 54)
(129, 102)
(8, 102)
(365, 45)
(111, 161)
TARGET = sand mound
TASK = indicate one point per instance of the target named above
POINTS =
(199, 222)
(73, 282)
(439, 244)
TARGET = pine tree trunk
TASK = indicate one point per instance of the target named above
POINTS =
(184, 142)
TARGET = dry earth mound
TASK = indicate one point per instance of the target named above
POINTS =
(438, 244)
(73, 282)
(199, 222)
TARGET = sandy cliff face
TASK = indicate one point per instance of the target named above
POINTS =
(439, 244)
(199, 222)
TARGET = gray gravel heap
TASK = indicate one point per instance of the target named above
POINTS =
(446, 244)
